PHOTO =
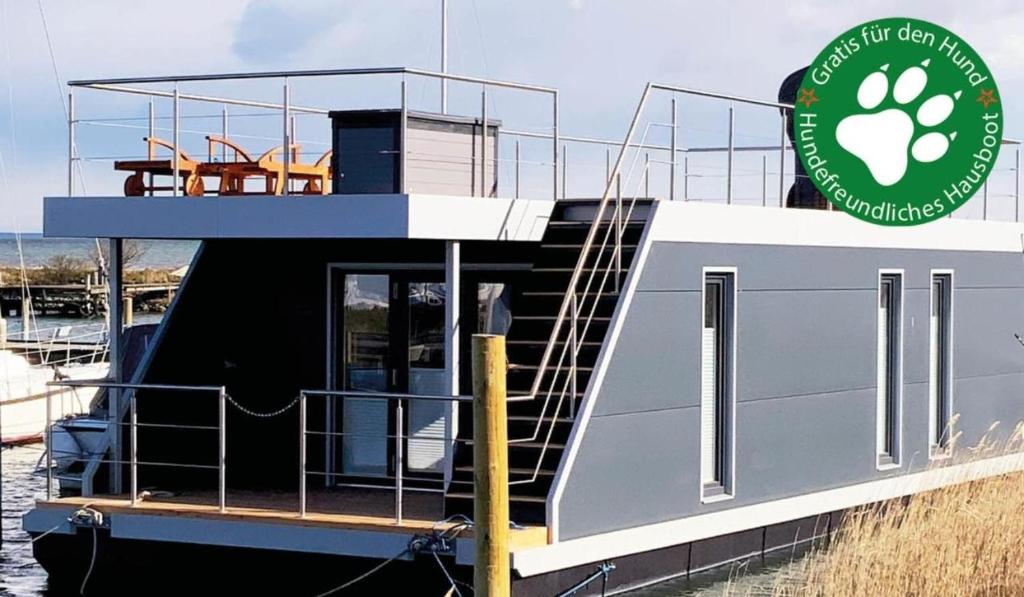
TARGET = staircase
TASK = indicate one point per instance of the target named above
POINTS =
(538, 429)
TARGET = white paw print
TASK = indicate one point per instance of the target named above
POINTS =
(881, 139)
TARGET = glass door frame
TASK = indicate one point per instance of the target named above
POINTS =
(399, 277)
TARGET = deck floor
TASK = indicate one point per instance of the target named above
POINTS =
(350, 508)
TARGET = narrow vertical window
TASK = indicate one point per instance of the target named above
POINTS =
(940, 359)
(890, 325)
(716, 404)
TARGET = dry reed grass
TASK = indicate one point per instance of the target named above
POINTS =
(962, 539)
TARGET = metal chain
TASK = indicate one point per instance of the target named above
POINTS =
(260, 415)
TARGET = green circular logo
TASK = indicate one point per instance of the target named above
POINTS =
(898, 122)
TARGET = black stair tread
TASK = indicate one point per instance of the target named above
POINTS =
(554, 317)
(530, 444)
(564, 367)
(634, 222)
(526, 342)
(511, 471)
(531, 418)
(559, 270)
(533, 499)
(607, 293)
(579, 246)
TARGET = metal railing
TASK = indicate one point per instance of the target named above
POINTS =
(287, 109)
(399, 438)
(133, 425)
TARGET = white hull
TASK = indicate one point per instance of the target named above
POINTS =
(24, 392)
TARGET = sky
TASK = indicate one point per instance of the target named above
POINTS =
(598, 53)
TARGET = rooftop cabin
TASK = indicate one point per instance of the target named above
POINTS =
(375, 240)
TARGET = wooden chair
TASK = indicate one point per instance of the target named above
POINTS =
(269, 166)
(136, 185)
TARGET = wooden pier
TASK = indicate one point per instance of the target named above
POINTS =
(81, 300)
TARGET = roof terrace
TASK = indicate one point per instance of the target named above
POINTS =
(336, 142)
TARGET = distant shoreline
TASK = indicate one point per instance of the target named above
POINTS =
(37, 251)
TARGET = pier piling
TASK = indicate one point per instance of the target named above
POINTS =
(129, 311)
(26, 318)
(492, 574)
(3, 333)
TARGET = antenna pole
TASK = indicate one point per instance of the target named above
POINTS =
(444, 56)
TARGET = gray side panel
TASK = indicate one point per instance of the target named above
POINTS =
(805, 414)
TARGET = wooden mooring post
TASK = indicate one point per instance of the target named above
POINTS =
(26, 318)
(129, 311)
(492, 574)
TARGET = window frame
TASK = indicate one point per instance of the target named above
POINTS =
(724, 487)
(891, 433)
(939, 444)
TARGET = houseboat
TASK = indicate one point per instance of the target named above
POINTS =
(698, 371)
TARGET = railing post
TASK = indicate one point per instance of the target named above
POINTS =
(565, 169)
(574, 347)
(49, 446)
(764, 180)
(133, 449)
(672, 159)
(399, 460)
(782, 161)
(149, 145)
(686, 177)
(71, 143)
(554, 144)
(618, 229)
(286, 114)
(177, 151)
(491, 574)
(302, 454)
(608, 166)
(984, 201)
(3, 332)
(518, 159)
(1016, 186)
(444, 56)
(223, 133)
(222, 449)
(403, 127)
(483, 142)
(729, 158)
(647, 175)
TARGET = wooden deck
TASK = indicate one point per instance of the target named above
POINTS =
(355, 509)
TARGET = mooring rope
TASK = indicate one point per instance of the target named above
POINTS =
(436, 542)
(365, 575)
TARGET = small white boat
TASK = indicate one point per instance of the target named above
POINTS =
(24, 391)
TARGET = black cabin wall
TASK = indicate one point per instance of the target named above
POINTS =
(254, 318)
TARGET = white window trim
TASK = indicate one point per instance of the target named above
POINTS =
(934, 451)
(879, 393)
(729, 487)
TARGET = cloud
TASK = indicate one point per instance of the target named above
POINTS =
(275, 31)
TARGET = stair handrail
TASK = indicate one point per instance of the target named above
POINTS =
(570, 301)
(570, 379)
(587, 245)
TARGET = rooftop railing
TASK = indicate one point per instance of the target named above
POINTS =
(699, 145)
(186, 121)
